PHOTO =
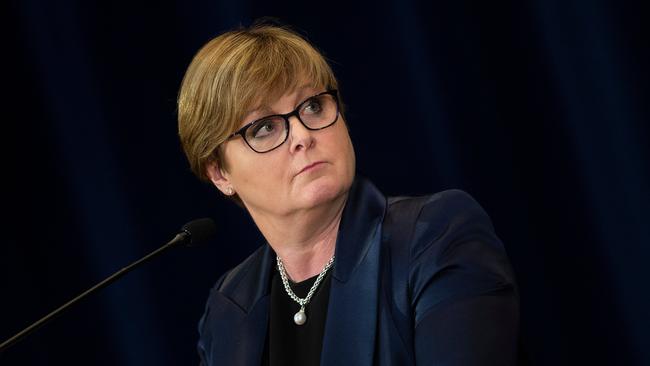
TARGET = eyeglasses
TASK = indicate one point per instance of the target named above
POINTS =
(315, 113)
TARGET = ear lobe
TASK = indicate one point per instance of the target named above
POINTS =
(214, 172)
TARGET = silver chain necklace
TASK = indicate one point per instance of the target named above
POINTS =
(300, 317)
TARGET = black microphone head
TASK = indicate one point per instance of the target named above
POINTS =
(199, 231)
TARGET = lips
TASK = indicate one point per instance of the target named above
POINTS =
(310, 166)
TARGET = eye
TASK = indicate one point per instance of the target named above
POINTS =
(263, 129)
(313, 106)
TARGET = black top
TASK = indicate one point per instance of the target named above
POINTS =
(290, 344)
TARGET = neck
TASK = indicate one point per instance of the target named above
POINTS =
(306, 241)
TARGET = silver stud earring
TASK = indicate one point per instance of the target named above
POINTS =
(230, 191)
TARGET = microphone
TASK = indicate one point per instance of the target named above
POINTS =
(193, 233)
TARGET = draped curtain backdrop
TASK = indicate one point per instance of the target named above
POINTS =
(538, 109)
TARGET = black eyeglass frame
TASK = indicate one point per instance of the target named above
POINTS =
(286, 116)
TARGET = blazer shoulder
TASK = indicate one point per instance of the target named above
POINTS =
(458, 207)
(427, 218)
(229, 281)
(453, 251)
(451, 200)
(455, 199)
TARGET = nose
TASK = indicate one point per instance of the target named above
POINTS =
(300, 138)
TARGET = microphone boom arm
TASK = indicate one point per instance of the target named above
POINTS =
(179, 238)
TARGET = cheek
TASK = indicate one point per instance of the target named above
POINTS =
(344, 146)
(261, 174)
(351, 162)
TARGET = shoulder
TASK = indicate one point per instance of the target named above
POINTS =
(235, 282)
(228, 302)
(450, 203)
(233, 278)
(450, 248)
(230, 284)
(430, 217)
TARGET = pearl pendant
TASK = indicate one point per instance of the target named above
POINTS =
(300, 317)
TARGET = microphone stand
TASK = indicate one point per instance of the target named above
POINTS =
(179, 238)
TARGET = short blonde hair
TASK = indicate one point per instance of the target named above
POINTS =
(235, 72)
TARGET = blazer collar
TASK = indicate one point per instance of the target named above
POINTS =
(249, 282)
(351, 323)
(362, 217)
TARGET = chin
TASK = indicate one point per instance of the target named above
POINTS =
(322, 190)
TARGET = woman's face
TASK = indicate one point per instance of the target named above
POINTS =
(309, 169)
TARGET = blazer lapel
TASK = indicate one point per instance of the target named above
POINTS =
(248, 292)
(352, 311)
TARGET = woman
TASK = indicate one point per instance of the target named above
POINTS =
(348, 276)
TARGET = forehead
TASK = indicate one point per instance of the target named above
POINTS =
(266, 102)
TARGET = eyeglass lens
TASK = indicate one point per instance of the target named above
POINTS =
(315, 113)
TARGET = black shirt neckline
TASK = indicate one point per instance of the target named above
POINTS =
(290, 344)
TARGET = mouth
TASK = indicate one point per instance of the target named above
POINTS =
(310, 166)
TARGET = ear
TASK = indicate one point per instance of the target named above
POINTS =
(218, 177)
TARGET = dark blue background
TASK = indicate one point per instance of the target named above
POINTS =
(539, 109)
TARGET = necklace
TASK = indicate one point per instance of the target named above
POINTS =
(300, 317)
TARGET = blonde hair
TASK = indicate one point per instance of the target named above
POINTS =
(234, 73)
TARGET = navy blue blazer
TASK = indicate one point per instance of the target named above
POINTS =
(416, 281)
